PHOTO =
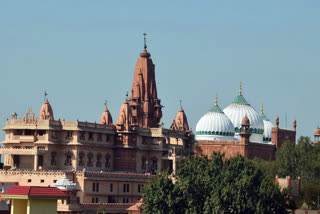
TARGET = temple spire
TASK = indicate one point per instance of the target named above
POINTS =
(240, 89)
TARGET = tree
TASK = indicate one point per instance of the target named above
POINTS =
(287, 160)
(161, 196)
(214, 186)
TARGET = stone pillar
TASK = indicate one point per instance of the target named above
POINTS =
(35, 162)
(174, 165)
(8, 161)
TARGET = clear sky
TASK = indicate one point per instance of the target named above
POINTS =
(83, 52)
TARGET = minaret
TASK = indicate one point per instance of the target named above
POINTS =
(144, 103)
(317, 135)
(245, 130)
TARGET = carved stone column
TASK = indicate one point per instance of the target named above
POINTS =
(35, 162)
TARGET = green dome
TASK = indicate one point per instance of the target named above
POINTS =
(240, 100)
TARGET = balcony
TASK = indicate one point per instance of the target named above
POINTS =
(24, 138)
(24, 151)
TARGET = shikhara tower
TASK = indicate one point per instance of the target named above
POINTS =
(143, 108)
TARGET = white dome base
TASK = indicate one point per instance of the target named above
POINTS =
(215, 138)
(256, 138)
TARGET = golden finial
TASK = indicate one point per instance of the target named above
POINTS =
(240, 90)
(261, 107)
(216, 101)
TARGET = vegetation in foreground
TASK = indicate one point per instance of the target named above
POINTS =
(303, 161)
(213, 185)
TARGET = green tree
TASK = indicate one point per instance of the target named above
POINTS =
(287, 160)
(310, 190)
(214, 186)
(162, 196)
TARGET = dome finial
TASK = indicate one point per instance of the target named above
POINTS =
(180, 104)
(261, 107)
(216, 101)
(240, 89)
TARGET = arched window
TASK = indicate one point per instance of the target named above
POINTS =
(90, 159)
(154, 163)
(107, 163)
(53, 158)
(143, 163)
(98, 163)
(81, 159)
(68, 160)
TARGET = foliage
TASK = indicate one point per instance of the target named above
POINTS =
(286, 160)
(310, 190)
(161, 196)
(301, 160)
(214, 186)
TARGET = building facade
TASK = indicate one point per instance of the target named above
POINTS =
(239, 129)
(109, 162)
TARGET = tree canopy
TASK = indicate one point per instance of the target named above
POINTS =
(301, 160)
(214, 185)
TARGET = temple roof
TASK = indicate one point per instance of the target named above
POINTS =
(46, 112)
(65, 183)
(180, 122)
(106, 117)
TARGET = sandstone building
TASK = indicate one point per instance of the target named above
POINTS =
(110, 162)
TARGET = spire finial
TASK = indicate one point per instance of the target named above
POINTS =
(127, 94)
(180, 103)
(106, 103)
(216, 101)
(145, 40)
(261, 110)
(240, 90)
(45, 96)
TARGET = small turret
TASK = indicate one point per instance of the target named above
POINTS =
(46, 112)
(106, 117)
(245, 130)
(317, 135)
(180, 122)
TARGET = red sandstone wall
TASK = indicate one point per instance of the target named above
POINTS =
(232, 148)
(263, 151)
(279, 136)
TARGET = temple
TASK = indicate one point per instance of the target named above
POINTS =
(109, 162)
(104, 166)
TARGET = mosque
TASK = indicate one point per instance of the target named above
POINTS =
(106, 164)
(239, 129)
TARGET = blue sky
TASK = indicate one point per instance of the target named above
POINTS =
(82, 52)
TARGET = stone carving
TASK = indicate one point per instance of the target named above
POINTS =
(30, 117)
